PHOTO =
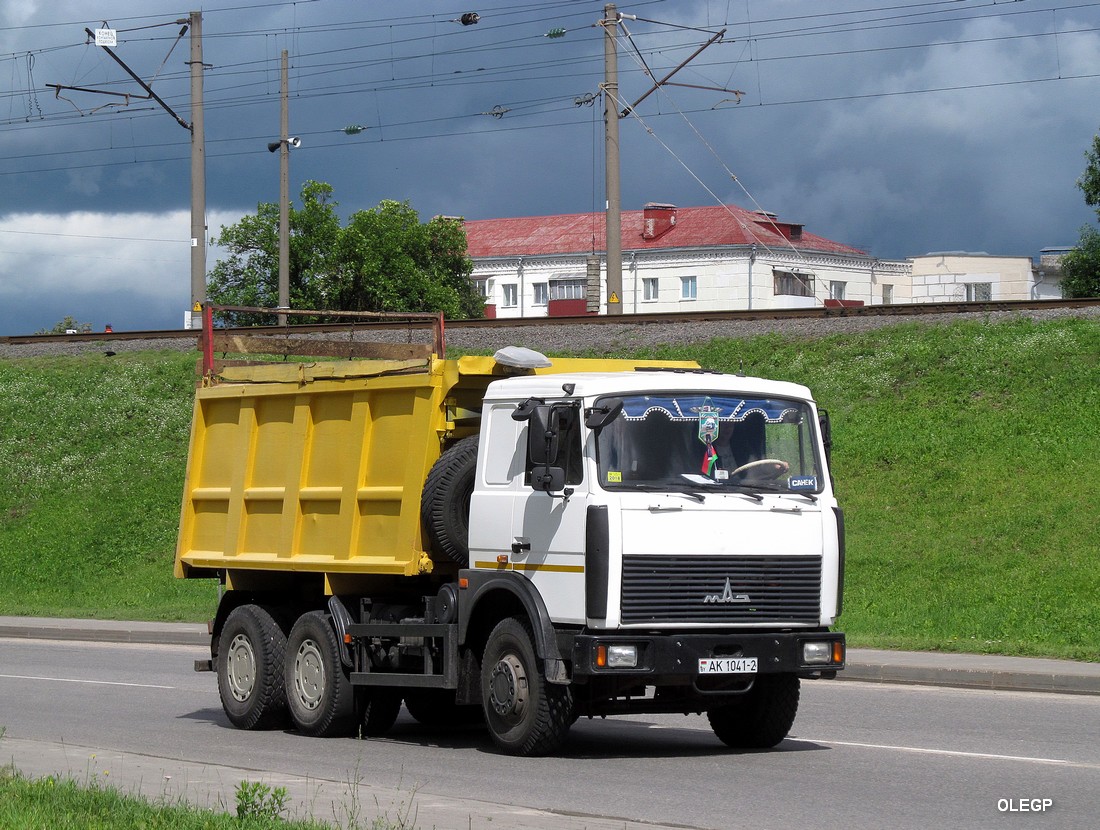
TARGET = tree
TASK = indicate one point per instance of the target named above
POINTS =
(67, 325)
(1081, 266)
(1089, 182)
(384, 260)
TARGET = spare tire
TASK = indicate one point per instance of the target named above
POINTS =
(445, 503)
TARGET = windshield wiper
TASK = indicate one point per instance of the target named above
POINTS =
(671, 487)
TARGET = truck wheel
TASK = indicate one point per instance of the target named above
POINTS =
(319, 693)
(525, 714)
(445, 502)
(378, 710)
(762, 717)
(251, 650)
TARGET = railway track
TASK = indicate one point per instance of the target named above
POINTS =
(680, 318)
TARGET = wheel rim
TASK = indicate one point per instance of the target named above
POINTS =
(309, 675)
(508, 688)
(241, 668)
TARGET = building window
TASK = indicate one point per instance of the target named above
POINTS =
(542, 293)
(484, 289)
(572, 289)
(511, 295)
(979, 292)
(795, 285)
(688, 288)
(836, 290)
(887, 294)
(649, 289)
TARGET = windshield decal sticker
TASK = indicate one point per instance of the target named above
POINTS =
(687, 408)
(802, 483)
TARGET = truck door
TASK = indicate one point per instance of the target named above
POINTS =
(545, 535)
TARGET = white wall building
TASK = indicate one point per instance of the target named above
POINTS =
(674, 259)
(955, 276)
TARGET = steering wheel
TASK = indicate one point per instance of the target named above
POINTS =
(765, 468)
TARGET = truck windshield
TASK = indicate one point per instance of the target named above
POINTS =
(700, 441)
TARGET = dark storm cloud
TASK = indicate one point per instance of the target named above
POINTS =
(901, 129)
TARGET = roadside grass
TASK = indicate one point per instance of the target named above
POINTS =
(965, 460)
(55, 803)
(91, 472)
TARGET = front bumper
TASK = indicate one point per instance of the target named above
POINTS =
(674, 658)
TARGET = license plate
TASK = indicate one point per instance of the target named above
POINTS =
(727, 665)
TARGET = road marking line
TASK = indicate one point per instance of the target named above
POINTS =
(952, 752)
(91, 682)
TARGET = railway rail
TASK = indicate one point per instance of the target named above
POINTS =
(678, 318)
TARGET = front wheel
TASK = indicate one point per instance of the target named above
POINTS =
(525, 714)
(760, 718)
(250, 669)
(319, 692)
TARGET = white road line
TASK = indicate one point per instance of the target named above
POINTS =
(950, 752)
(90, 682)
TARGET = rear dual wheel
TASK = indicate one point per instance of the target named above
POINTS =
(251, 650)
(321, 699)
(319, 692)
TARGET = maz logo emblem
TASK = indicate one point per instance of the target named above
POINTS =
(727, 595)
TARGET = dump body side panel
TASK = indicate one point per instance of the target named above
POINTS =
(323, 477)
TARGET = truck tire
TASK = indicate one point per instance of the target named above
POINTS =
(251, 649)
(378, 710)
(525, 714)
(762, 717)
(445, 502)
(319, 693)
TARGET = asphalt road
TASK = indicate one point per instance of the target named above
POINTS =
(860, 755)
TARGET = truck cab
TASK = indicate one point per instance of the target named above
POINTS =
(679, 533)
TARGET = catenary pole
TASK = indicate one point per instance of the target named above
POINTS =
(198, 175)
(611, 162)
(284, 190)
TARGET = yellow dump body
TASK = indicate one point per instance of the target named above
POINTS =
(319, 467)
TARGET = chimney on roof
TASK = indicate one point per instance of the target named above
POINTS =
(657, 219)
(790, 230)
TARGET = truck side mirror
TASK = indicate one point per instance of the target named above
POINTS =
(546, 479)
(526, 409)
(826, 426)
(542, 436)
(597, 417)
(546, 427)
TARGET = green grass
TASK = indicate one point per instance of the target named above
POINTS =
(91, 473)
(56, 803)
(965, 459)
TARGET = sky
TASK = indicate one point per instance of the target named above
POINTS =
(898, 127)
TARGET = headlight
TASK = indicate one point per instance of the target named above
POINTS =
(817, 653)
(617, 657)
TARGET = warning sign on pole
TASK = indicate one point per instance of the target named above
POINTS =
(614, 298)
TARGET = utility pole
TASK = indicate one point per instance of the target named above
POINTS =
(198, 176)
(284, 191)
(613, 220)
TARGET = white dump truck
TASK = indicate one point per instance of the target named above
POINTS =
(513, 539)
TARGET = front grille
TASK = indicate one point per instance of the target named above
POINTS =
(762, 589)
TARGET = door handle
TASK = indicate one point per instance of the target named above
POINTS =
(521, 546)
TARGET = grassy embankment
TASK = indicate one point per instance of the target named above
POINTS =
(965, 458)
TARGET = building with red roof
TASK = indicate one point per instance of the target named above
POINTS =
(674, 259)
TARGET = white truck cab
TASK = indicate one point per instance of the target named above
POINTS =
(681, 532)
